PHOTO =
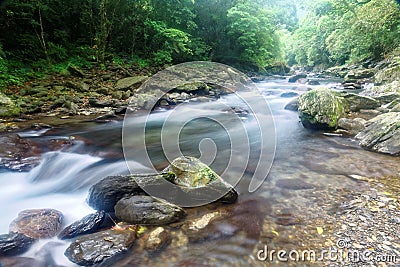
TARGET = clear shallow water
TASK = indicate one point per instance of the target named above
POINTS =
(62, 179)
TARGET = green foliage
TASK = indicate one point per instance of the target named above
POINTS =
(338, 32)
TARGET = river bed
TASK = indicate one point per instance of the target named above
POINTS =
(321, 169)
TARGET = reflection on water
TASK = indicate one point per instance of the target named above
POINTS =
(326, 163)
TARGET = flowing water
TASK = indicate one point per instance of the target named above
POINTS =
(324, 163)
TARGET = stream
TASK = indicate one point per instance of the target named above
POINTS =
(317, 164)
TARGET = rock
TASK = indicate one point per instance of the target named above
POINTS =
(147, 210)
(94, 102)
(94, 248)
(18, 154)
(321, 109)
(382, 134)
(83, 87)
(358, 102)
(76, 71)
(386, 98)
(158, 239)
(23, 262)
(353, 126)
(87, 225)
(296, 77)
(13, 244)
(396, 108)
(105, 194)
(368, 114)
(293, 184)
(191, 87)
(130, 83)
(313, 82)
(106, 118)
(293, 105)
(351, 86)
(143, 101)
(390, 73)
(289, 94)
(7, 107)
(360, 74)
(39, 223)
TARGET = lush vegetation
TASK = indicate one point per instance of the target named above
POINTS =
(335, 32)
(39, 35)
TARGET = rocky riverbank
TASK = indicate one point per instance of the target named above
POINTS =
(125, 213)
(90, 94)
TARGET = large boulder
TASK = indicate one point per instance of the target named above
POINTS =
(321, 109)
(147, 210)
(87, 225)
(92, 249)
(130, 82)
(382, 134)
(105, 194)
(14, 244)
(39, 223)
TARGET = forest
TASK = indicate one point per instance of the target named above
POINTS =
(255, 35)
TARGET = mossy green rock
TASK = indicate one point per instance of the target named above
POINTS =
(382, 134)
(190, 172)
(7, 107)
(321, 109)
(130, 82)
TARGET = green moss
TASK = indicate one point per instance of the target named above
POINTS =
(321, 108)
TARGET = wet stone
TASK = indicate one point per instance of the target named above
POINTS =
(147, 210)
(95, 248)
(87, 225)
(158, 239)
(105, 194)
(14, 244)
(39, 223)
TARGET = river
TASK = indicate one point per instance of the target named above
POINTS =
(324, 163)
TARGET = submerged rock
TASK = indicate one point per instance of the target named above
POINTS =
(321, 109)
(87, 225)
(18, 154)
(158, 239)
(13, 244)
(293, 184)
(105, 194)
(95, 248)
(39, 223)
(147, 210)
(382, 134)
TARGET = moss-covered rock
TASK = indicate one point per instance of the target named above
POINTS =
(7, 107)
(321, 109)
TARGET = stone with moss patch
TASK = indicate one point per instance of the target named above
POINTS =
(7, 107)
(321, 109)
